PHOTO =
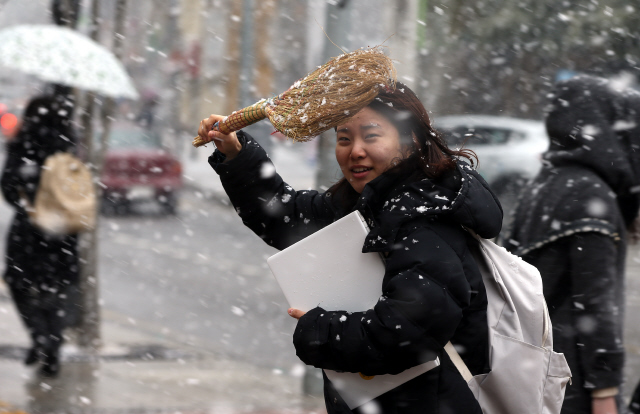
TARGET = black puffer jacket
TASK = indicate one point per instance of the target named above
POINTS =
(432, 290)
(33, 256)
(570, 224)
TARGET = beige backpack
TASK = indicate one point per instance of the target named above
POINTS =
(527, 376)
(65, 202)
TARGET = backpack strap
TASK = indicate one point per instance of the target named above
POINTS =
(545, 322)
(457, 361)
(449, 348)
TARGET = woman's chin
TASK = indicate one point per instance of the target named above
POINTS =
(358, 185)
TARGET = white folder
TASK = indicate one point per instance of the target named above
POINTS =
(328, 269)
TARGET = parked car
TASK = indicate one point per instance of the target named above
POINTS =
(137, 167)
(509, 149)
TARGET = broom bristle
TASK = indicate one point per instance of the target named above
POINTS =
(332, 94)
(324, 99)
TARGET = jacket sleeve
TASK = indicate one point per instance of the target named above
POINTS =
(597, 308)
(272, 209)
(423, 294)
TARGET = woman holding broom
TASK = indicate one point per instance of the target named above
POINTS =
(416, 195)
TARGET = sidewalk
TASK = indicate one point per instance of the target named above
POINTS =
(141, 370)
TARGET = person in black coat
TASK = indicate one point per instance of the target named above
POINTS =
(416, 196)
(571, 223)
(40, 268)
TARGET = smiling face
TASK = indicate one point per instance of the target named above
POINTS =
(366, 147)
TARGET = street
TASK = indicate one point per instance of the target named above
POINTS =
(201, 278)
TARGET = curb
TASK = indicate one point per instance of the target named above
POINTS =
(136, 352)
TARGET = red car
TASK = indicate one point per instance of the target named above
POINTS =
(137, 167)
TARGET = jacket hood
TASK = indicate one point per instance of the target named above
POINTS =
(594, 123)
(46, 127)
(460, 196)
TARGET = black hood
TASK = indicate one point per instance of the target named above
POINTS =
(594, 123)
(46, 127)
(460, 196)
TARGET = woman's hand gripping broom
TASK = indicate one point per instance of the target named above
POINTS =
(324, 99)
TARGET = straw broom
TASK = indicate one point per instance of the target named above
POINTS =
(324, 99)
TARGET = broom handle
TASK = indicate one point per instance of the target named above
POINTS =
(239, 119)
(242, 118)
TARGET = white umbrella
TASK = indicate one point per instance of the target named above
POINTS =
(61, 55)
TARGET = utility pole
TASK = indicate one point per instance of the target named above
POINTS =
(261, 130)
(88, 328)
(264, 75)
(246, 54)
(232, 53)
(336, 24)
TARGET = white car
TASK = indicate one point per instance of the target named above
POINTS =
(509, 150)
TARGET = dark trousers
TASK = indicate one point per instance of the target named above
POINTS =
(42, 309)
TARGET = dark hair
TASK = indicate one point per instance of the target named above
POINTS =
(46, 123)
(430, 156)
(51, 111)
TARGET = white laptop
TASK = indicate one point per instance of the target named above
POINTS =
(328, 269)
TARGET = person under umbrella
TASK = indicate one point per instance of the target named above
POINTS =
(40, 267)
(415, 195)
(573, 221)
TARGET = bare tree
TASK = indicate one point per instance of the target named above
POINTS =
(500, 57)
